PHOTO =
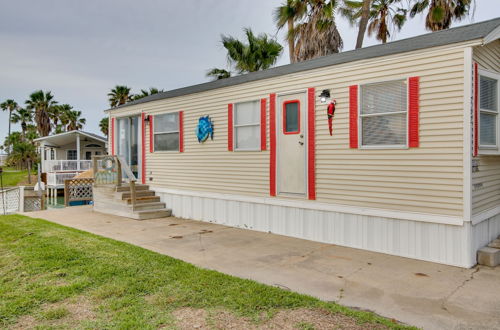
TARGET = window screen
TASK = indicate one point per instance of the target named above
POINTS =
(383, 114)
(247, 126)
(488, 106)
(166, 132)
(291, 117)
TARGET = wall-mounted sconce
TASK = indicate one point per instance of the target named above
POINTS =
(324, 96)
(147, 119)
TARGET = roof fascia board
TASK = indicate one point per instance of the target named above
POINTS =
(492, 36)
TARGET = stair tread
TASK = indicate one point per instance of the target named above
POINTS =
(152, 211)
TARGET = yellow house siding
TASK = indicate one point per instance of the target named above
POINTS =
(486, 181)
(428, 179)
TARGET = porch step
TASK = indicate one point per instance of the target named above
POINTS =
(153, 214)
(488, 256)
(149, 206)
(140, 193)
(142, 200)
(126, 188)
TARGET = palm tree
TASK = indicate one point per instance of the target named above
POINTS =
(363, 22)
(10, 106)
(119, 95)
(74, 121)
(441, 13)
(104, 126)
(259, 53)
(24, 152)
(288, 13)
(42, 103)
(56, 113)
(384, 16)
(23, 116)
(144, 93)
(217, 74)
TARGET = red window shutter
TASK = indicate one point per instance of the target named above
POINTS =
(475, 148)
(263, 117)
(151, 131)
(113, 136)
(230, 127)
(272, 144)
(311, 144)
(413, 110)
(181, 131)
(353, 116)
(143, 149)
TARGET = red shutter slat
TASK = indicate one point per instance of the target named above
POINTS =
(113, 136)
(143, 149)
(476, 112)
(263, 115)
(353, 116)
(413, 112)
(311, 144)
(181, 131)
(230, 127)
(151, 131)
(272, 144)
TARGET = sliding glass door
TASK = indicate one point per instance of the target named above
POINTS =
(129, 144)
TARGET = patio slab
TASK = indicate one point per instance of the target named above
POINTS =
(419, 293)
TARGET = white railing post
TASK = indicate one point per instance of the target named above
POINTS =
(21, 199)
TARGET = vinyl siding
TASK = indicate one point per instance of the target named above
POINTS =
(486, 181)
(427, 179)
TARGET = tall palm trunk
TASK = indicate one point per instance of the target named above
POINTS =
(10, 119)
(29, 171)
(291, 41)
(363, 23)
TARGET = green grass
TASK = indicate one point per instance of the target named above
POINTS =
(44, 266)
(12, 177)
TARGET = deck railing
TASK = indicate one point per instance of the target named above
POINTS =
(66, 165)
(58, 178)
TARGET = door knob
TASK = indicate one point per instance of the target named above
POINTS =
(301, 136)
(301, 143)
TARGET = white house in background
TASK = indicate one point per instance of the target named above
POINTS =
(3, 158)
(66, 154)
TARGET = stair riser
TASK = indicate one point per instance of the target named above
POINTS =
(127, 188)
(138, 194)
(154, 215)
(142, 201)
(156, 206)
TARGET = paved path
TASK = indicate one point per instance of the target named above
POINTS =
(419, 293)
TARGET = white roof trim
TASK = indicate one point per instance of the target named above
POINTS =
(492, 36)
(95, 137)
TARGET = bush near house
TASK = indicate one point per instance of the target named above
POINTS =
(54, 276)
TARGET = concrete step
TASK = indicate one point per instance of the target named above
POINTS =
(140, 193)
(149, 206)
(126, 187)
(153, 214)
(488, 256)
(145, 199)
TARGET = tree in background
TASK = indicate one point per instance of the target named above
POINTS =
(441, 13)
(41, 103)
(73, 120)
(119, 95)
(23, 116)
(258, 53)
(385, 16)
(23, 152)
(288, 13)
(57, 114)
(10, 106)
(104, 126)
(217, 74)
(145, 92)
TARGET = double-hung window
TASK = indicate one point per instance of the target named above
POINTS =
(71, 155)
(166, 132)
(383, 114)
(247, 126)
(488, 110)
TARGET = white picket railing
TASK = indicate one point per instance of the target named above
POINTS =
(66, 165)
(58, 178)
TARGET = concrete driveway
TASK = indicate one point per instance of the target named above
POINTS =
(419, 293)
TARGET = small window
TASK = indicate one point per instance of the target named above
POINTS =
(71, 155)
(488, 111)
(93, 145)
(166, 132)
(52, 154)
(383, 114)
(247, 126)
(291, 117)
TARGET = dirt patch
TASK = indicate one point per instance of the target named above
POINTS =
(77, 310)
(192, 318)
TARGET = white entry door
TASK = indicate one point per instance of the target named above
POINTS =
(291, 144)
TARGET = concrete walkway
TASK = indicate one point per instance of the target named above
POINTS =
(419, 293)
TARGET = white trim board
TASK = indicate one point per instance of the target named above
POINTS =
(319, 206)
(485, 215)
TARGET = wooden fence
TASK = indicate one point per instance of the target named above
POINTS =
(78, 190)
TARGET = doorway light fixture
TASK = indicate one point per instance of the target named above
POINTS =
(324, 96)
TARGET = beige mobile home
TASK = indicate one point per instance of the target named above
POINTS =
(411, 168)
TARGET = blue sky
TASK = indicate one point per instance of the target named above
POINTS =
(79, 50)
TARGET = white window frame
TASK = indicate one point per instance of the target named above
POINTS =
(488, 149)
(235, 127)
(178, 131)
(360, 119)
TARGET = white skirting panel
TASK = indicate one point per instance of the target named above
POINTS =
(484, 232)
(442, 243)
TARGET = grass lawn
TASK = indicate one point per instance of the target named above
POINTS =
(12, 177)
(57, 277)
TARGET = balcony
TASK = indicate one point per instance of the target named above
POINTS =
(66, 165)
